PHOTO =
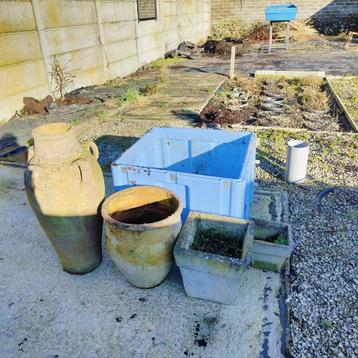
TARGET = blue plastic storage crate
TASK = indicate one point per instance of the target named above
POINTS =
(211, 170)
(281, 12)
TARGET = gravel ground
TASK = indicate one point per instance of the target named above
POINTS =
(324, 285)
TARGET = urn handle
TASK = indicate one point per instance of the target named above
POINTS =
(92, 148)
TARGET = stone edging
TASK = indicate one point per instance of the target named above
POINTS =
(341, 104)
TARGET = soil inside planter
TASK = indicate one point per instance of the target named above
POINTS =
(146, 214)
(217, 242)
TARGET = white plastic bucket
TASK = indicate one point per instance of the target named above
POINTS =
(297, 160)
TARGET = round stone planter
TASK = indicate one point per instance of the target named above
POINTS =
(142, 224)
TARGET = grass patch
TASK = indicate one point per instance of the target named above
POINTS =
(166, 62)
(347, 89)
(130, 95)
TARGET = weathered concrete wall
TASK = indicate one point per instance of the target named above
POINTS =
(97, 39)
(324, 11)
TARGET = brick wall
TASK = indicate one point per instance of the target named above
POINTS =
(323, 11)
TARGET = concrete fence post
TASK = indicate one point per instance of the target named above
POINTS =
(40, 27)
(101, 40)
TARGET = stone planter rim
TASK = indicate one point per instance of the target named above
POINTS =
(44, 131)
(233, 265)
(171, 219)
(272, 245)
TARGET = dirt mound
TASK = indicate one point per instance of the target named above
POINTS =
(222, 47)
(214, 115)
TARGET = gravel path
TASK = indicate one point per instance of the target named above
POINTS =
(324, 285)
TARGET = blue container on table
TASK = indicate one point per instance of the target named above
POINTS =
(210, 170)
(281, 12)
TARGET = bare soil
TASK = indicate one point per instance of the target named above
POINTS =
(275, 102)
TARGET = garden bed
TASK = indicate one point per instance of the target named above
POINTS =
(304, 103)
(345, 90)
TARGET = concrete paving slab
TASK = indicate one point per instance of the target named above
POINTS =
(46, 312)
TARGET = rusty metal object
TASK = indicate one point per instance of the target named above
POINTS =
(65, 187)
(142, 224)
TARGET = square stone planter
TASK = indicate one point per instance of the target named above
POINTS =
(210, 276)
(268, 255)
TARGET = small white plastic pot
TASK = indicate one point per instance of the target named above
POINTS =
(297, 160)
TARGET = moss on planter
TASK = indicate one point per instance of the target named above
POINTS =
(268, 266)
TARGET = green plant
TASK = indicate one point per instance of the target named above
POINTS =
(113, 83)
(166, 62)
(327, 324)
(131, 94)
(281, 239)
(104, 115)
(352, 214)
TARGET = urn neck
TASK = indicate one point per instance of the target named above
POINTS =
(55, 142)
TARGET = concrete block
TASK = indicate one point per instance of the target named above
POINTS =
(120, 50)
(150, 42)
(89, 77)
(20, 78)
(118, 10)
(72, 38)
(67, 13)
(12, 103)
(145, 28)
(17, 47)
(123, 67)
(117, 31)
(82, 60)
(16, 17)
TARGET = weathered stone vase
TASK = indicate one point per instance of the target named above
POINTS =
(65, 187)
(142, 224)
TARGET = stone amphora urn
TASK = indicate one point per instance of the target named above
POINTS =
(65, 187)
